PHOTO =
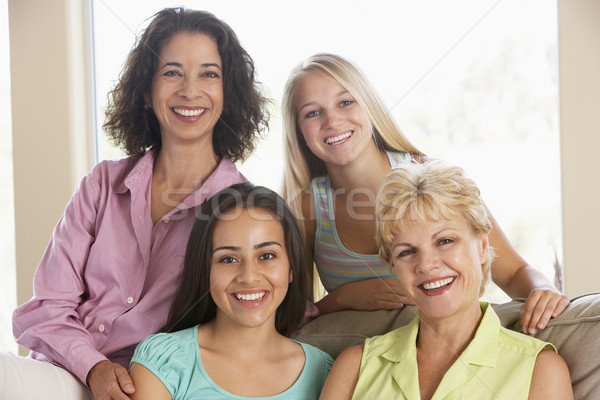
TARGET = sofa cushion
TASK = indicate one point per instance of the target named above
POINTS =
(575, 333)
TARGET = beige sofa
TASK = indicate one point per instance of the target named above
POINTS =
(575, 333)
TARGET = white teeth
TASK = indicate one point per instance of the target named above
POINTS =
(250, 297)
(337, 139)
(189, 113)
(437, 284)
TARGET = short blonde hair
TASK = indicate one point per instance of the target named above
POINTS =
(301, 165)
(434, 189)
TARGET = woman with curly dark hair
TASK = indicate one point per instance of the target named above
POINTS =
(186, 107)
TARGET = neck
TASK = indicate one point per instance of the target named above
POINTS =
(364, 173)
(184, 167)
(452, 334)
(243, 341)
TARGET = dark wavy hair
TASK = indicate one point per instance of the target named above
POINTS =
(133, 127)
(193, 303)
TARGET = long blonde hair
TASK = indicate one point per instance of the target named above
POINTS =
(301, 165)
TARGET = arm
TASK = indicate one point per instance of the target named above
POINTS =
(342, 379)
(147, 384)
(49, 323)
(551, 379)
(513, 275)
(367, 295)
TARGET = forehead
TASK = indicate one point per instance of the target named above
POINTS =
(314, 84)
(190, 45)
(426, 222)
(255, 224)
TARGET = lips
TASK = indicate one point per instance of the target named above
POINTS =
(438, 284)
(257, 296)
(338, 139)
(189, 112)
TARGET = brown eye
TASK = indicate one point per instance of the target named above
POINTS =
(267, 256)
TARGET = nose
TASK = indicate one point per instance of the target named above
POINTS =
(248, 271)
(190, 88)
(428, 260)
(332, 118)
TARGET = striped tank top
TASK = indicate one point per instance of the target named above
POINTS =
(336, 264)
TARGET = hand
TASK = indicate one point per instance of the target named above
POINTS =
(110, 381)
(541, 305)
(371, 294)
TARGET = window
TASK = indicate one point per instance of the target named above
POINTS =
(472, 82)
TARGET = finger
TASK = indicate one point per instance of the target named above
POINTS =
(125, 381)
(545, 317)
(561, 306)
(542, 311)
(527, 312)
(112, 392)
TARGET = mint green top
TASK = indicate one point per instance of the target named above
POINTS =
(175, 359)
(497, 364)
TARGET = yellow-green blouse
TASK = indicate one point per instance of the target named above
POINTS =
(497, 364)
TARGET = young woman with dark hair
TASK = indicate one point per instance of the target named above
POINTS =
(242, 291)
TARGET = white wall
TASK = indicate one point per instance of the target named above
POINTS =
(49, 120)
(579, 76)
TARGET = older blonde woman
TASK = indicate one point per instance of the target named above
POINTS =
(432, 227)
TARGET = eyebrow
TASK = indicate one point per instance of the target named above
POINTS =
(436, 234)
(311, 103)
(258, 246)
(180, 65)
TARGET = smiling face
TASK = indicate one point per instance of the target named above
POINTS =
(438, 264)
(187, 89)
(333, 124)
(250, 269)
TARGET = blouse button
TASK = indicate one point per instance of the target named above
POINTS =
(101, 328)
(166, 220)
(129, 300)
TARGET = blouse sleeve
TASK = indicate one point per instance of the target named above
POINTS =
(48, 323)
(168, 356)
(321, 364)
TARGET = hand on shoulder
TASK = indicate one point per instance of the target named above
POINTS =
(540, 307)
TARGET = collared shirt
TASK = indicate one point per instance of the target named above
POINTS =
(107, 278)
(497, 364)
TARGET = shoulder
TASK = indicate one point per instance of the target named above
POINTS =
(118, 167)
(113, 172)
(344, 375)
(352, 356)
(163, 348)
(317, 355)
(520, 343)
(397, 158)
(551, 379)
